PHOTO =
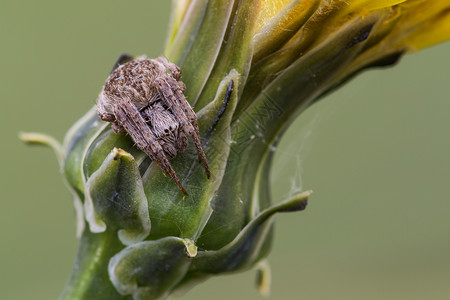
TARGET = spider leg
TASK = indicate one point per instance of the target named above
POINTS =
(118, 128)
(182, 86)
(105, 116)
(103, 113)
(130, 118)
(176, 72)
(182, 102)
(168, 88)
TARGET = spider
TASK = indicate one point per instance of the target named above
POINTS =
(145, 98)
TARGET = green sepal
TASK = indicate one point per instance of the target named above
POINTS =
(184, 31)
(197, 54)
(115, 199)
(102, 145)
(236, 51)
(173, 214)
(243, 251)
(263, 278)
(244, 192)
(149, 270)
(35, 138)
(76, 143)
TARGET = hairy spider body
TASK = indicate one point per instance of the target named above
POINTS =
(145, 98)
(166, 128)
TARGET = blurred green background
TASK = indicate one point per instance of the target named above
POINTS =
(376, 154)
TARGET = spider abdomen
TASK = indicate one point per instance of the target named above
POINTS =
(135, 80)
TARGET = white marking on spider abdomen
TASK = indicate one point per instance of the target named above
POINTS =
(162, 121)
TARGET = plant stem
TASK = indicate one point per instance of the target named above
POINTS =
(90, 279)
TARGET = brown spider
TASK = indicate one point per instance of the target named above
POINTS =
(145, 98)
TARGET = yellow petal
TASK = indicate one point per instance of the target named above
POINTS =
(281, 25)
(433, 32)
(269, 9)
(423, 23)
(373, 4)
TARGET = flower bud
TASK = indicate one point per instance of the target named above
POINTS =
(250, 67)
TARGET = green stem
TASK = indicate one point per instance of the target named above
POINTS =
(90, 279)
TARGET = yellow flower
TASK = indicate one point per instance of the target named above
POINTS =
(400, 25)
